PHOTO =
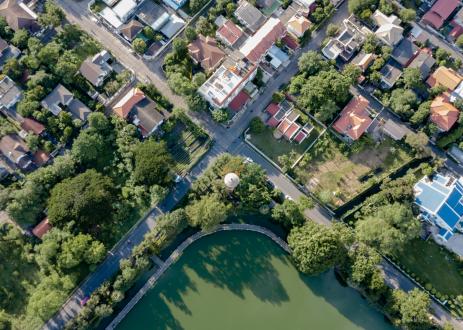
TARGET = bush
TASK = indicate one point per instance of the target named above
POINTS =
(256, 126)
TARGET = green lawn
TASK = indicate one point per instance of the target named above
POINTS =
(185, 145)
(274, 148)
(336, 172)
(434, 265)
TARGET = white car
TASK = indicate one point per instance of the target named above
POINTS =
(248, 160)
(289, 198)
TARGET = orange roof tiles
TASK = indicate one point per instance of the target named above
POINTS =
(125, 105)
(445, 77)
(230, 32)
(443, 113)
(354, 118)
(42, 228)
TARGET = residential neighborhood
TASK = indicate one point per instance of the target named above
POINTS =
(161, 160)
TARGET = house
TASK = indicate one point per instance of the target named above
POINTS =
(205, 52)
(446, 77)
(16, 150)
(239, 101)
(392, 129)
(10, 94)
(96, 68)
(348, 41)
(363, 61)
(111, 17)
(405, 52)
(175, 4)
(249, 16)
(439, 13)
(354, 119)
(283, 117)
(42, 228)
(440, 200)
(124, 9)
(226, 83)
(62, 99)
(19, 16)
(140, 110)
(389, 29)
(229, 33)
(152, 15)
(389, 75)
(308, 5)
(424, 62)
(173, 25)
(30, 125)
(298, 25)
(131, 29)
(443, 113)
(256, 46)
(277, 58)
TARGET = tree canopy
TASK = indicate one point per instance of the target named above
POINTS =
(152, 163)
(207, 212)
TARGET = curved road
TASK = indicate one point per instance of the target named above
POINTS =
(176, 254)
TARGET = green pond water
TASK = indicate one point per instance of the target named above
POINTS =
(243, 280)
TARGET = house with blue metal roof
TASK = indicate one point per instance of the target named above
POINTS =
(175, 4)
(440, 200)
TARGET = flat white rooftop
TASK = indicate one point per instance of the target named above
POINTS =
(220, 85)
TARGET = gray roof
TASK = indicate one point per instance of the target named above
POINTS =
(131, 29)
(423, 61)
(79, 110)
(405, 51)
(152, 14)
(95, 69)
(15, 149)
(249, 16)
(9, 92)
(58, 98)
(390, 74)
(148, 116)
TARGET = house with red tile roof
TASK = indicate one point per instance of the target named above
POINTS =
(443, 113)
(126, 103)
(354, 119)
(445, 77)
(42, 228)
(239, 102)
(440, 12)
(205, 52)
(284, 118)
(229, 33)
(32, 126)
(256, 46)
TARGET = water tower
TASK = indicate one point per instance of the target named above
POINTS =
(231, 181)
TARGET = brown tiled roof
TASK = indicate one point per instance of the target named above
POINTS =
(445, 77)
(131, 29)
(31, 125)
(204, 50)
(354, 119)
(443, 113)
(16, 16)
(42, 228)
(230, 32)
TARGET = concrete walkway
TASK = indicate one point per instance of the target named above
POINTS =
(177, 253)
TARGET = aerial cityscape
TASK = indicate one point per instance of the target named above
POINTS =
(231, 164)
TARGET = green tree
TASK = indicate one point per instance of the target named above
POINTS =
(402, 101)
(152, 163)
(289, 214)
(407, 15)
(67, 66)
(332, 30)
(26, 107)
(220, 115)
(13, 69)
(33, 142)
(412, 308)
(190, 34)
(419, 142)
(352, 71)
(412, 78)
(49, 54)
(180, 47)
(139, 45)
(198, 79)
(20, 38)
(312, 62)
(207, 213)
(459, 41)
(88, 149)
(257, 125)
(421, 115)
(196, 103)
(315, 248)
(86, 199)
(78, 249)
(364, 262)
(389, 229)
(149, 32)
(53, 15)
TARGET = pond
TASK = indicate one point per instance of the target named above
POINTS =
(243, 280)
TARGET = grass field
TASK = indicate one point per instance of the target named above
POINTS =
(433, 265)
(336, 173)
(186, 145)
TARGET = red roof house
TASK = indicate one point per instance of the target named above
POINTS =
(257, 45)
(443, 113)
(456, 31)
(32, 126)
(272, 109)
(229, 33)
(440, 12)
(42, 228)
(125, 104)
(239, 101)
(354, 118)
